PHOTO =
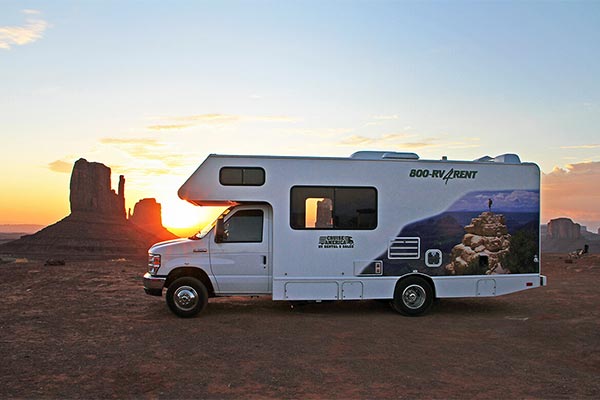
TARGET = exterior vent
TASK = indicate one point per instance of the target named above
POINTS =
(383, 155)
(405, 248)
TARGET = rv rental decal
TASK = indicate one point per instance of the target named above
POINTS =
(442, 174)
(482, 233)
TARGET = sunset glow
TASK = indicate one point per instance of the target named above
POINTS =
(185, 219)
(151, 91)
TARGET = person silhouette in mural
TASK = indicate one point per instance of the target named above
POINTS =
(490, 204)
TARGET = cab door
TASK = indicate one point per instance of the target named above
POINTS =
(241, 258)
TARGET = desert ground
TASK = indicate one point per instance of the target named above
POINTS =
(87, 330)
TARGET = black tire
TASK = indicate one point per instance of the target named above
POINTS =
(187, 296)
(413, 296)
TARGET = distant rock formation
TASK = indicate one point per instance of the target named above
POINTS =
(482, 248)
(97, 227)
(564, 236)
(147, 215)
(91, 190)
(563, 228)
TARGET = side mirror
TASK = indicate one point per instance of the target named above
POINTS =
(219, 231)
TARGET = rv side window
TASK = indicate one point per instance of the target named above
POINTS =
(242, 176)
(244, 226)
(320, 207)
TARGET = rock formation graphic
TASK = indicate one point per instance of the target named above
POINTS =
(483, 247)
(97, 227)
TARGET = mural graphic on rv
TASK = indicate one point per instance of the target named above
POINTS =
(482, 233)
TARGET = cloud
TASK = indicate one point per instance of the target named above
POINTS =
(325, 132)
(31, 31)
(503, 201)
(572, 191)
(199, 119)
(383, 140)
(467, 143)
(150, 150)
(384, 117)
(187, 121)
(169, 127)
(400, 141)
(141, 148)
(582, 146)
(380, 119)
(61, 166)
(131, 141)
(270, 118)
(396, 140)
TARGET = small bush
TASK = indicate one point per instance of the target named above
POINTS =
(523, 248)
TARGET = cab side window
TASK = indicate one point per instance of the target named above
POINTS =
(245, 226)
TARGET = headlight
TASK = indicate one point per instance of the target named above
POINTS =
(153, 263)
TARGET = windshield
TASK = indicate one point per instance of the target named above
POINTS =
(208, 227)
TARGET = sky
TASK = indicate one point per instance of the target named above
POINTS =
(150, 88)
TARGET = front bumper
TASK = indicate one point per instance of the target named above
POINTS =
(153, 285)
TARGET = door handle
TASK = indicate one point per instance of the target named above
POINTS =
(264, 260)
(200, 250)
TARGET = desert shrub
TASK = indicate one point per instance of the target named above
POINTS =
(523, 248)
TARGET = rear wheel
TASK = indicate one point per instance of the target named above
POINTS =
(187, 297)
(413, 296)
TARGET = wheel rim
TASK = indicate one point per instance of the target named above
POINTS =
(414, 296)
(186, 298)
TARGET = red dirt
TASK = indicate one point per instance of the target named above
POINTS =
(87, 330)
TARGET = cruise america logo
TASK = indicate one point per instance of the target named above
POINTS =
(442, 174)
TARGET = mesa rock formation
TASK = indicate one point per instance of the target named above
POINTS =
(147, 215)
(91, 190)
(563, 228)
(562, 235)
(483, 247)
(97, 227)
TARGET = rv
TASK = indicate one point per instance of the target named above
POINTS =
(375, 225)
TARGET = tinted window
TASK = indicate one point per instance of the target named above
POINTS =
(355, 208)
(242, 176)
(244, 226)
(320, 207)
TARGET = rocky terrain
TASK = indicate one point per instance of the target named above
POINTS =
(97, 227)
(87, 330)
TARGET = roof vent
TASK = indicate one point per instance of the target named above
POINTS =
(507, 158)
(384, 155)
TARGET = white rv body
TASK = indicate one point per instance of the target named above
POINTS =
(362, 253)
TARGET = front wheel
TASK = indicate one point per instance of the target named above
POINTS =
(187, 296)
(413, 296)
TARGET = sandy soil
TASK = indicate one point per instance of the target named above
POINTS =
(87, 330)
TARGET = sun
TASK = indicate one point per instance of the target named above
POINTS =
(185, 219)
